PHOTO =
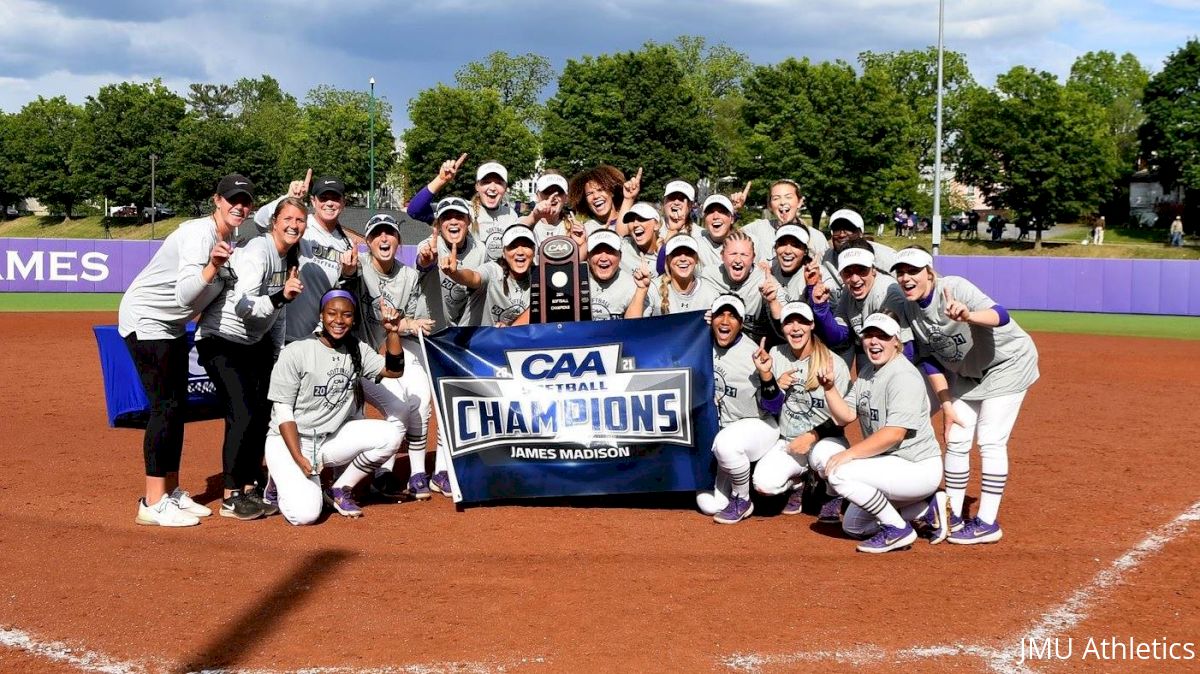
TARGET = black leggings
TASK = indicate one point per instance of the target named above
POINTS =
(241, 374)
(162, 365)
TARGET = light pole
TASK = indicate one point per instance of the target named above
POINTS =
(371, 194)
(937, 153)
(153, 201)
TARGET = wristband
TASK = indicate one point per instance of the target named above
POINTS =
(769, 389)
(394, 362)
(279, 299)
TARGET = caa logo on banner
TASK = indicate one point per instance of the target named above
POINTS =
(574, 397)
(65, 265)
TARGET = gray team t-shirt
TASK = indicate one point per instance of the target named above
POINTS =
(446, 299)
(895, 396)
(317, 382)
(170, 289)
(501, 297)
(757, 321)
(243, 313)
(987, 362)
(736, 382)
(611, 299)
(399, 289)
(884, 295)
(804, 410)
(489, 227)
(632, 257)
(320, 271)
(763, 233)
(699, 299)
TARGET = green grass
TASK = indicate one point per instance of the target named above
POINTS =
(1122, 325)
(1119, 325)
(1115, 246)
(60, 302)
(90, 227)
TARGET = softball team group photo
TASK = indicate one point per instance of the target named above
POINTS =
(303, 324)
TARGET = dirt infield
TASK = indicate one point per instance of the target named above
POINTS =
(1100, 541)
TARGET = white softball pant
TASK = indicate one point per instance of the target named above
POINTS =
(878, 485)
(991, 422)
(404, 401)
(363, 443)
(737, 446)
(779, 470)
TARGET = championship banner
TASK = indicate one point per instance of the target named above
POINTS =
(124, 395)
(609, 407)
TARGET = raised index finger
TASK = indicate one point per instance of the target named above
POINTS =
(746, 192)
(638, 177)
(308, 181)
(461, 158)
(947, 296)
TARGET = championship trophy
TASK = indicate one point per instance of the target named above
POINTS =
(559, 292)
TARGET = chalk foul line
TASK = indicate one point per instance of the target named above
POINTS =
(1059, 619)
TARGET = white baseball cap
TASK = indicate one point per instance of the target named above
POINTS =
(882, 322)
(855, 256)
(682, 241)
(913, 257)
(641, 211)
(381, 220)
(729, 300)
(489, 168)
(515, 232)
(719, 199)
(452, 204)
(800, 233)
(848, 215)
(682, 187)
(549, 180)
(800, 309)
(604, 237)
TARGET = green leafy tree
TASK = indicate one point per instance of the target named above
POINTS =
(39, 152)
(10, 192)
(715, 74)
(630, 110)
(204, 150)
(518, 80)
(847, 140)
(210, 101)
(123, 125)
(1170, 136)
(448, 121)
(1116, 85)
(334, 138)
(1036, 147)
(913, 73)
(272, 117)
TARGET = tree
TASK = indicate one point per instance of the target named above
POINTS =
(518, 80)
(631, 109)
(204, 150)
(1035, 146)
(10, 192)
(210, 101)
(1117, 85)
(43, 135)
(913, 74)
(448, 121)
(272, 117)
(334, 137)
(1170, 135)
(715, 74)
(847, 140)
(123, 125)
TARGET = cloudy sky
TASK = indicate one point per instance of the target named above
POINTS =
(72, 47)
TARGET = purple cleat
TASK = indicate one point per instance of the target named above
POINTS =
(795, 503)
(889, 538)
(935, 523)
(976, 531)
(418, 487)
(342, 499)
(831, 512)
(739, 508)
(440, 482)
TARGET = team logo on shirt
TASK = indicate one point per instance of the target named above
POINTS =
(333, 391)
(569, 400)
(947, 346)
(508, 314)
(864, 408)
(494, 248)
(800, 402)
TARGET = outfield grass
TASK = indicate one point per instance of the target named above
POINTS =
(1122, 325)
(90, 227)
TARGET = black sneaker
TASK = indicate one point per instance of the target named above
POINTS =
(240, 506)
(267, 507)
(387, 485)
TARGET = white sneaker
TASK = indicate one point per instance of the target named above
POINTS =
(165, 513)
(187, 505)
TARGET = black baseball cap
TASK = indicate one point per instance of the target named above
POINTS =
(328, 184)
(233, 185)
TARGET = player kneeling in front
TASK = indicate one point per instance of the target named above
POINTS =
(743, 380)
(315, 392)
(892, 474)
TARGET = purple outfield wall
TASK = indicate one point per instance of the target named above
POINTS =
(1034, 283)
